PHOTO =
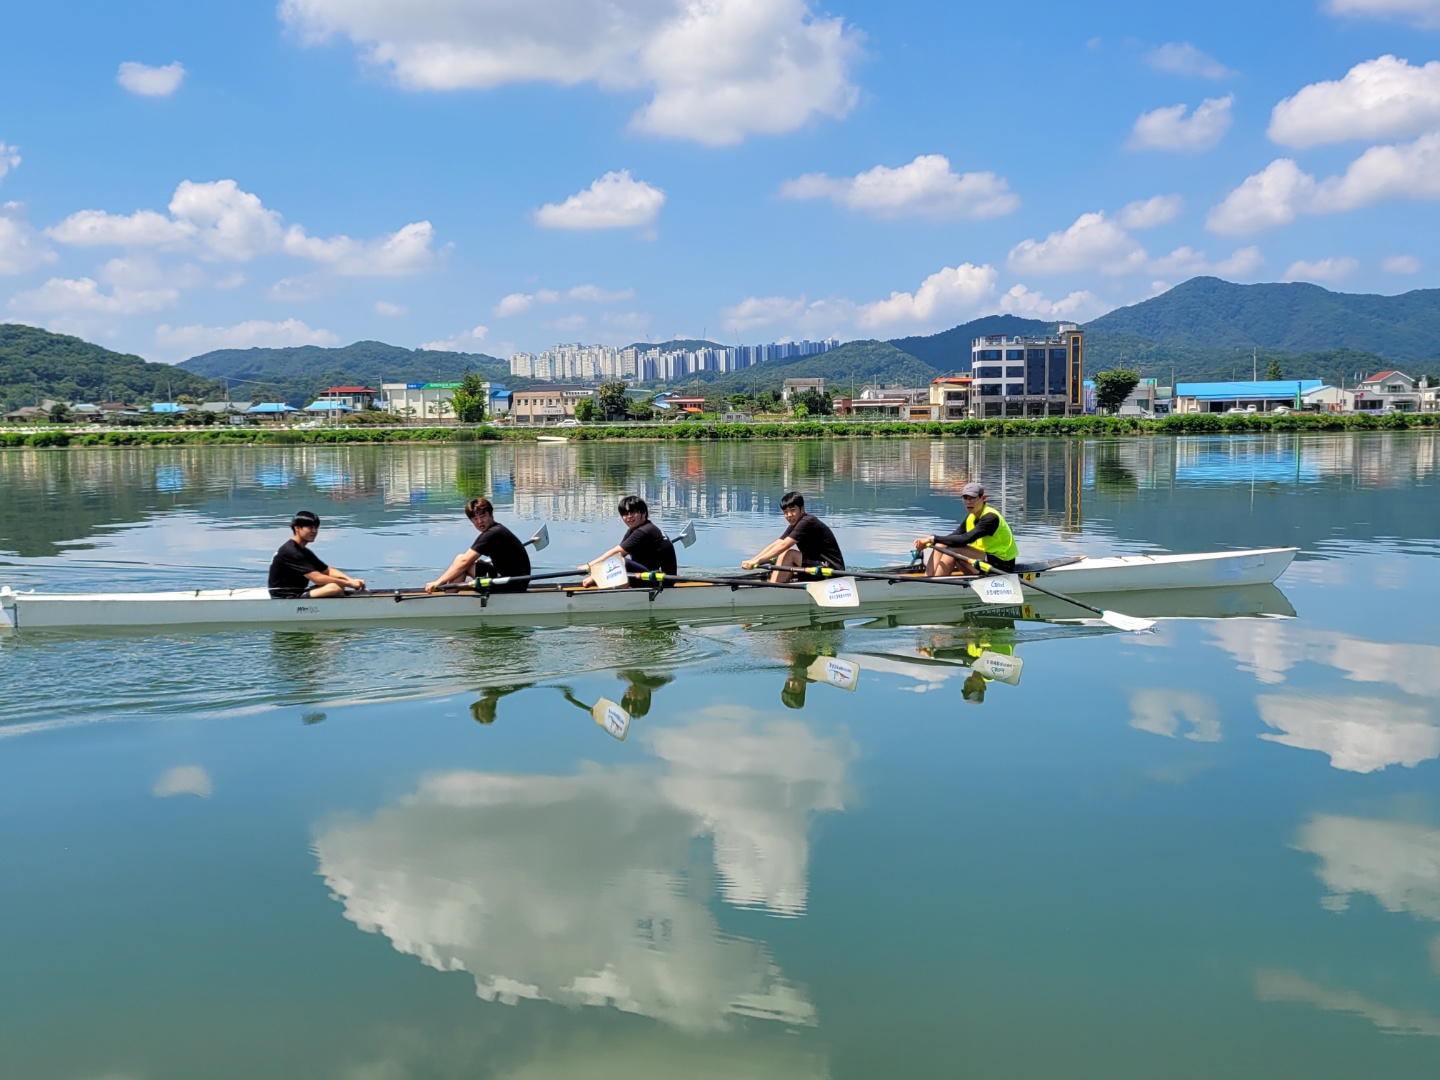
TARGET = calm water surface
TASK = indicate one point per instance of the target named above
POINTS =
(385, 854)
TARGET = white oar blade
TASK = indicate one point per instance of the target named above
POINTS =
(687, 535)
(611, 717)
(610, 573)
(1127, 622)
(837, 592)
(836, 672)
(999, 589)
(999, 667)
(541, 539)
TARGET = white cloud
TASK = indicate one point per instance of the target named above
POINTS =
(389, 310)
(953, 289)
(21, 247)
(1289, 986)
(150, 81)
(1169, 128)
(254, 333)
(926, 187)
(1186, 262)
(1080, 305)
(1384, 98)
(462, 342)
(1358, 734)
(222, 222)
(1148, 213)
(717, 71)
(628, 321)
(1182, 58)
(1093, 242)
(518, 303)
(1266, 200)
(1401, 264)
(756, 311)
(1334, 269)
(73, 295)
(9, 158)
(184, 780)
(406, 251)
(615, 201)
(1423, 13)
(1396, 862)
(301, 289)
(1161, 712)
(1282, 190)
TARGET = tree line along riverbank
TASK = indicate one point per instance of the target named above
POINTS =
(1190, 424)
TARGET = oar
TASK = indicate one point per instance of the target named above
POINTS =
(1117, 619)
(837, 672)
(610, 716)
(541, 539)
(834, 593)
(997, 589)
(486, 583)
(686, 536)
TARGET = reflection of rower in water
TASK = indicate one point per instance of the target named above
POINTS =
(985, 537)
(297, 572)
(483, 710)
(638, 687)
(496, 552)
(972, 689)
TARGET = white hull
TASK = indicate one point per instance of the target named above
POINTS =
(232, 608)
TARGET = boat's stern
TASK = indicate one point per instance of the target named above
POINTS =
(7, 609)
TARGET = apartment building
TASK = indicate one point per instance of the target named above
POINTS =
(1028, 376)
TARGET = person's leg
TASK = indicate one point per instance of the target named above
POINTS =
(788, 557)
(939, 564)
(321, 592)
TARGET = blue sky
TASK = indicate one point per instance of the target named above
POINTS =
(496, 176)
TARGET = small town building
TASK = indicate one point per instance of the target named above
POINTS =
(888, 403)
(329, 407)
(1264, 395)
(168, 407)
(27, 414)
(950, 396)
(1028, 376)
(270, 412)
(1387, 391)
(1149, 399)
(798, 386)
(352, 397)
(547, 403)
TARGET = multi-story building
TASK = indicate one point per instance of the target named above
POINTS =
(420, 401)
(547, 404)
(1028, 376)
(591, 363)
(1388, 391)
(950, 396)
(790, 387)
(352, 397)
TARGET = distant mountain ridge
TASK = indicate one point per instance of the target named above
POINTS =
(303, 371)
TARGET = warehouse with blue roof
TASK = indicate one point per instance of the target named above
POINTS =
(1264, 395)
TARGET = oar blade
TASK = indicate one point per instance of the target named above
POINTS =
(611, 717)
(1127, 622)
(687, 535)
(541, 539)
(840, 592)
(610, 573)
(999, 667)
(835, 671)
(999, 589)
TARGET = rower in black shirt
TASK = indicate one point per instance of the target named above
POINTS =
(644, 546)
(807, 541)
(297, 571)
(496, 552)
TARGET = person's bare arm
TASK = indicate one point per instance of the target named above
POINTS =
(460, 566)
(769, 552)
(616, 550)
(334, 576)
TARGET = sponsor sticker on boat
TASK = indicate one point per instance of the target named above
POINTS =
(835, 592)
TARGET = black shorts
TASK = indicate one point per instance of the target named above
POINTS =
(1007, 565)
(290, 594)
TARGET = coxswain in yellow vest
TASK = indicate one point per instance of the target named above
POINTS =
(985, 537)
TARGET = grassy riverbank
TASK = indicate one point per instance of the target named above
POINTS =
(1201, 424)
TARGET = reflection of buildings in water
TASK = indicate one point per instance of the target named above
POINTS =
(1031, 481)
(582, 889)
(410, 475)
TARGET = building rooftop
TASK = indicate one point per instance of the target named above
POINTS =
(1265, 388)
(349, 390)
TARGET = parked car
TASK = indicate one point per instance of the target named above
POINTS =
(568, 422)
(1282, 410)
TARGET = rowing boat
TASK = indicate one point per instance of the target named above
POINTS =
(564, 603)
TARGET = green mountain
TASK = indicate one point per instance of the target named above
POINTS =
(847, 368)
(949, 350)
(1214, 315)
(36, 364)
(677, 345)
(297, 374)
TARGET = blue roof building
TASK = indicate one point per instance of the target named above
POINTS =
(326, 405)
(1263, 396)
(270, 408)
(168, 407)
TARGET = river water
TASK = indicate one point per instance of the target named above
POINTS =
(375, 854)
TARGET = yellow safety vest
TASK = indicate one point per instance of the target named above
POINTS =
(1002, 544)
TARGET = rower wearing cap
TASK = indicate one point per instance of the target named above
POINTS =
(297, 572)
(985, 538)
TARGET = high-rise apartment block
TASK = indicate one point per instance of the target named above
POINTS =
(592, 363)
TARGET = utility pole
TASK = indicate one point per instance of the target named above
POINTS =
(1254, 364)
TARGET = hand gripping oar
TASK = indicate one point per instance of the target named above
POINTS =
(483, 583)
(1117, 619)
(835, 593)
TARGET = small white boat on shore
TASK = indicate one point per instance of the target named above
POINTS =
(549, 605)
